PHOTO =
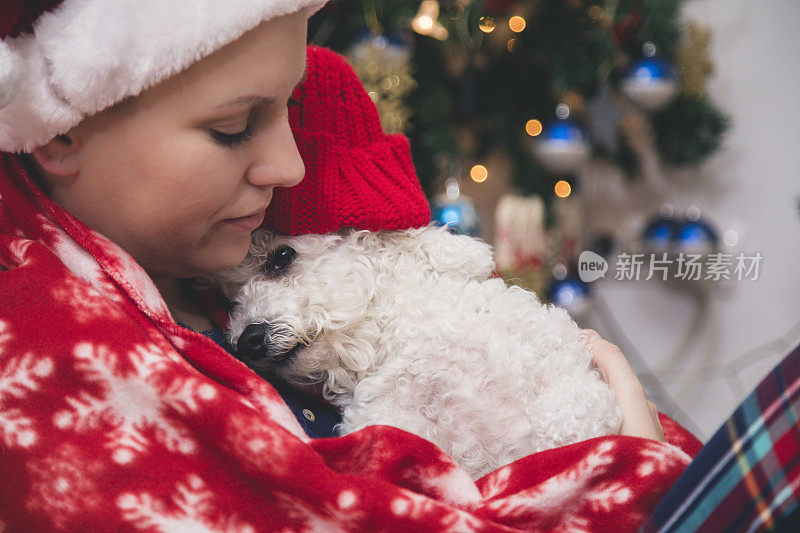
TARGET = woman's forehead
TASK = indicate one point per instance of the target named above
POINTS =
(263, 64)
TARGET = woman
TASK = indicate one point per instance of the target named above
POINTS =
(143, 148)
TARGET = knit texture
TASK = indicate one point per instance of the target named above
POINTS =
(356, 175)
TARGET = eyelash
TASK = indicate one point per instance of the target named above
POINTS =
(232, 140)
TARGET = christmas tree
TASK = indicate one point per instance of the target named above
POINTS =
(546, 82)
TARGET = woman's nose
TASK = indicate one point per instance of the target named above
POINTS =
(276, 159)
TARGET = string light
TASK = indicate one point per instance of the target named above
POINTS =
(478, 173)
(512, 45)
(562, 189)
(533, 127)
(516, 23)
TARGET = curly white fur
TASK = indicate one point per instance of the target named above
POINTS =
(408, 329)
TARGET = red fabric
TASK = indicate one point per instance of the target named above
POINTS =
(356, 176)
(113, 418)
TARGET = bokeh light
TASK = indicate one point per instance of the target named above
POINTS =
(533, 127)
(478, 173)
(516, 23)
(559, 271)
(596, 13)
(425, 24)
(562, 111)
(452, 189)
(486, 24)
(730, 237)
(562, 189)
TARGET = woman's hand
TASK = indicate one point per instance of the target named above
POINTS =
(639, 415)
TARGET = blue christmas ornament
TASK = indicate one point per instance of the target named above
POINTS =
(688, 236)
(696, 236)
(460, 215)
(651, 82)
(570, 293)
(659, 234)
(562, 146)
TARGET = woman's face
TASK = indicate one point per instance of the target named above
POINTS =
(180, 175)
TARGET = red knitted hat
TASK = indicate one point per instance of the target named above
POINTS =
(356, 175)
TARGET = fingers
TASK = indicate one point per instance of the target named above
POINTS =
(613, 365)
(639, 415)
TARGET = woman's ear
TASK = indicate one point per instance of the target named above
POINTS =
(60, 156)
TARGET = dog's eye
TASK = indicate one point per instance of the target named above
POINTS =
(280, 259)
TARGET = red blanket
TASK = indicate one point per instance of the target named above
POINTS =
(112, 417)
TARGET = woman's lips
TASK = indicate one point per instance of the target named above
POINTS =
(248, 223)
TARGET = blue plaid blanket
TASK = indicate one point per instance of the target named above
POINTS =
(747, 477)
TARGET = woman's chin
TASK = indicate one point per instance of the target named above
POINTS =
(225, 256)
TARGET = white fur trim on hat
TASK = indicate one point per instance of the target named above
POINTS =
(10, 73)
(87, 55)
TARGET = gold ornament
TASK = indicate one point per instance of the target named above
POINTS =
(694, 59)
(385, 71)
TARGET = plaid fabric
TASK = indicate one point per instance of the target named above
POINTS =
(747, 477)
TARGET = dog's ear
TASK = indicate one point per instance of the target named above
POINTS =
(448, 252)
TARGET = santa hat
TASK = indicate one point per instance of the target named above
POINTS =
(356, 175)
(63, 60)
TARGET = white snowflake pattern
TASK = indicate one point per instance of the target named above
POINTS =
(417, 507)
(19, 377)
(566, 495)
(660, 457)
(79, 261)
(264, 448)
(496, 482)
(453, 485)
(195, 511)
(317, 516)
(461, 522)
(86, 302)
(62, 485)
(133, 400)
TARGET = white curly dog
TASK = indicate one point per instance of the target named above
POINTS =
(409, 329)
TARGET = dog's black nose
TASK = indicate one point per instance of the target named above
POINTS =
(254, 341)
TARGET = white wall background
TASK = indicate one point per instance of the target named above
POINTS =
(753, 186)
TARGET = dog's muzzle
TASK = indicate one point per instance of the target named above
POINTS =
(255, 345)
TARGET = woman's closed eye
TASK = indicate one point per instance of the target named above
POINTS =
(232, 140)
